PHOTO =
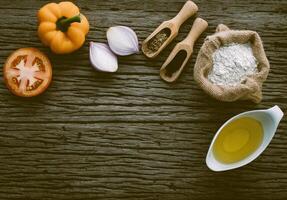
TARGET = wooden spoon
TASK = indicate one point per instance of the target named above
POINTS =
(174, 64)
(167, 31)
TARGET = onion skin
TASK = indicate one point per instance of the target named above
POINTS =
(102, 58)
(122, 40)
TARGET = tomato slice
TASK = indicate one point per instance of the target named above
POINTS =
(27, 72)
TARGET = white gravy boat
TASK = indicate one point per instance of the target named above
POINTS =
(269, 119)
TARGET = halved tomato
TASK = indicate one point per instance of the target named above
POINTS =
(27, 72)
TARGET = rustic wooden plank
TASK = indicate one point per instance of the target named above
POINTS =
(129, 135)
(127, 160)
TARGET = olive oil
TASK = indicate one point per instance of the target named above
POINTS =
(238, 139)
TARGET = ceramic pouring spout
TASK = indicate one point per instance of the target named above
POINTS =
(276, 114)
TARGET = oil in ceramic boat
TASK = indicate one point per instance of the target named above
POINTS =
(238, 140)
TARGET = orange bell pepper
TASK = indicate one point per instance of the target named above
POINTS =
(62, 27)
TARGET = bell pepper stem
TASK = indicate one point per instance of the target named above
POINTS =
(64, 23)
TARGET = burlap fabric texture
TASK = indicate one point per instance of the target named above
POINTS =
(251, 88)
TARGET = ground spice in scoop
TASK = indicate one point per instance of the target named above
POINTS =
(176, 63)
(157, 41)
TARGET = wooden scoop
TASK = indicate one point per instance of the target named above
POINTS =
(167, 31)
(174, 64)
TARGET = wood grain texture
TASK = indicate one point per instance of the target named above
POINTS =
(129, 135)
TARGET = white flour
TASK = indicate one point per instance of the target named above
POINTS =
(232, 64)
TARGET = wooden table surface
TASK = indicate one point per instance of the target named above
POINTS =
(129, 135)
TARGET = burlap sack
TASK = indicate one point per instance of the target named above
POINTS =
(251, 89)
